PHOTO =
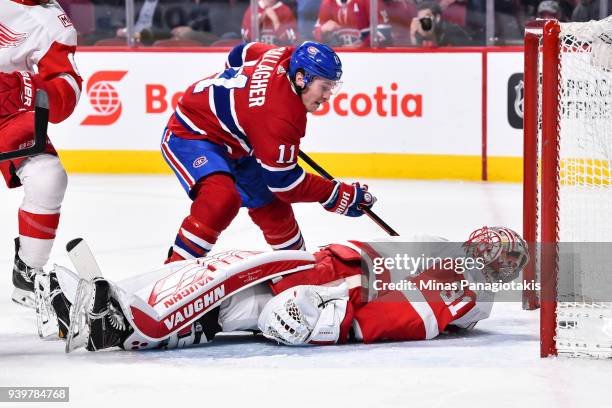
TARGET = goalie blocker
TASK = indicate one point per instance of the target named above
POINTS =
(293, 297)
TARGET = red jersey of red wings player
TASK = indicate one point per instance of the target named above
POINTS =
(37, 44)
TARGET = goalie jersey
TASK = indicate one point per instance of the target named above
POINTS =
(188, 302)
(436, 302)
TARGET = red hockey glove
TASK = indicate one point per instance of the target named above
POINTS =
(17, 90)
(349, 199)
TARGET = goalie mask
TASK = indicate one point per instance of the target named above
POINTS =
(503, 250)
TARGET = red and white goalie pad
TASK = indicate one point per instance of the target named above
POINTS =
(162, 302)
(165, 301)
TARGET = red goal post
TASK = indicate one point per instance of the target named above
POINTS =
(567, 185)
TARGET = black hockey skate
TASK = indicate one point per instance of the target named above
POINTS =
(108, 326)
(61, 306)
(23, 280)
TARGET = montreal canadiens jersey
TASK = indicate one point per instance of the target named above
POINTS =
(41, 39)
(283, 34)
(353, 16)
(252, 109)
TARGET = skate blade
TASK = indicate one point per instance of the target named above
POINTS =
(78, 333)
(24, 298)
(46, 320)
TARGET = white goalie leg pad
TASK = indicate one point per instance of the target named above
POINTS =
(305, 315)
(185, 338)
(137, 341)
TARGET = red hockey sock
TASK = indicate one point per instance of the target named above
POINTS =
(215, 205)
(277, 222)
(36, 236)
(41, 226)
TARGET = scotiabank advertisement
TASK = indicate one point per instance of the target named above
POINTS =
(128, 97)
(421, 103)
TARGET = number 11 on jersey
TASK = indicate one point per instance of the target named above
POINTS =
(281, 154)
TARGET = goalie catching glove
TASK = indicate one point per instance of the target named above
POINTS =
(349, 199)
(305, 315)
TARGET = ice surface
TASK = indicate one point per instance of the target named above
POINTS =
(131, 221)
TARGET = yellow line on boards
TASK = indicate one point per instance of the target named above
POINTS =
(345, 165)
(505, 169)
(114, 161)
(400, 166)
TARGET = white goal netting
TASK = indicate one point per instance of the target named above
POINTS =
(584, 313)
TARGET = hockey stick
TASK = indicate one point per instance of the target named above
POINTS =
(41, 120)
(83, 259)
(86, 266)
(366, 210)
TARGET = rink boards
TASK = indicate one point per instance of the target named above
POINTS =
(452, 114)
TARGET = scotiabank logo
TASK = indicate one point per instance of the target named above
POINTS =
(157, 98)
(381, 103)
(104, 98)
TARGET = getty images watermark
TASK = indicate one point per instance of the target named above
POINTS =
(408, 272)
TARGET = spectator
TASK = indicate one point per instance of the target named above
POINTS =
(401, 13)
(188, 33)
(549, 9)
(587, 10)
(346, 23)
(567, 8)
(429, 30)
(179, 19)
(276, 21)
(454, 11)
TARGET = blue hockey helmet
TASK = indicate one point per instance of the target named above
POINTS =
(316, 60)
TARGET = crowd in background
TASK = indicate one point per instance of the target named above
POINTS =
(403, 23)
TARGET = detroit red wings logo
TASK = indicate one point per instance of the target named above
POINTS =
(186, 281)
(9, 38)
(189, 279)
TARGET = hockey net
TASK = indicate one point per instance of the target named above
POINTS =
(567, 206)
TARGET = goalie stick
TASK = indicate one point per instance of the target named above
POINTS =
(41, 121)
(367, 211)
(86, 266)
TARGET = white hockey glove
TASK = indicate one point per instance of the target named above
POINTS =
(305, 315)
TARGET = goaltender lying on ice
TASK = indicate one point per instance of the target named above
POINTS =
(292, 297)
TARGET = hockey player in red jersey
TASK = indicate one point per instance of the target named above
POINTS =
(298, 298)
(277, 24)
(37, 45)
(234, 140)
(346, 23)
